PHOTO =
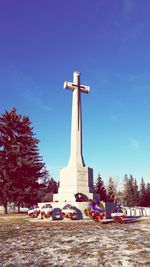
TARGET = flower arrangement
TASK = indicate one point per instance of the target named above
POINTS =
(118, 215)
(34, 213)
(46, 214)
(95, 210)
(68, 215)
(67, 207)
(80, 197)
(119, 218)
(68, 211)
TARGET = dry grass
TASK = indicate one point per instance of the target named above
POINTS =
(72, 244)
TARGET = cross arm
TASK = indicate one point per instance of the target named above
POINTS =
(69, 85)
(85, 89)
(72, 86)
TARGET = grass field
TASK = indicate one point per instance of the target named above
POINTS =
(24, 242)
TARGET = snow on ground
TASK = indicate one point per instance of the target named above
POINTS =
(73, 244)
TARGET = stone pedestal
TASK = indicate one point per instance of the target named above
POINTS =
(75, 180)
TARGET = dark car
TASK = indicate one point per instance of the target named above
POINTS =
(57, 214)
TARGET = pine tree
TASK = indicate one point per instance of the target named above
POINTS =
(111, 191)
(135, 193)
(47, 184)
(100, 188)
(142, 194)
(43, 185)
(20, 163)
(131, 194)
(126, 190)
(52, 186)
(147, 195)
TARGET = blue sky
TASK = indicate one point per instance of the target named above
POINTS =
(42, 42)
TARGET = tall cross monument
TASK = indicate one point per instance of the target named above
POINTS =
(75, 177)
(76, 157)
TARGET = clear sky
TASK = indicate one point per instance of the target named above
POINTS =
(42, 42)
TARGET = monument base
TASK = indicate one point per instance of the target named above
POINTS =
(75, 180)
(70, 197)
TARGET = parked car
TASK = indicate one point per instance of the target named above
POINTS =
(57, 214)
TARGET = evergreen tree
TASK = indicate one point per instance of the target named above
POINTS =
(43, 184)
(136, 192)
(52, 186)
(142, 193)
(45, 178)
(111, 191)
(20, 163)
(125, 191)
(131, 194)
(47, 186)
(100, 188)
(147, 195)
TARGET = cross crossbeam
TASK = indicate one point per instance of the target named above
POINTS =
(72, 86)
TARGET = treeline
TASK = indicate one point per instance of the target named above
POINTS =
(23, 176)
(130, 195)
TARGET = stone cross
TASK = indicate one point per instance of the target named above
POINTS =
(75, 177)
(76, 157)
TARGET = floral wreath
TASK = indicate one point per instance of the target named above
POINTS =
(67, 207)
(34, 213)
(80, 197)
(118, 215)
(46, 214)
(68, 215)
(68, 211)
(95, 210)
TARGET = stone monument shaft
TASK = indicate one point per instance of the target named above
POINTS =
(76, 157)
(75, 177)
